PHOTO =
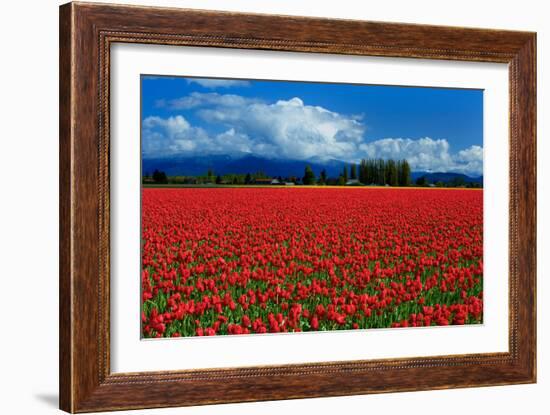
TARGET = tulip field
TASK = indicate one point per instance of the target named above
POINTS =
(218, 261)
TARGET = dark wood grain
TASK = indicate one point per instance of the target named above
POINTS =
(65, 247)
(523, 112)
(86, 33)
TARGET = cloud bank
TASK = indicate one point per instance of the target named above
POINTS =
(427, 154)
(290, 130)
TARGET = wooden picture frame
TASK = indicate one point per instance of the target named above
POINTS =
(86, 33)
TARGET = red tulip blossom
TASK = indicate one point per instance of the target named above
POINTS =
(269, 260)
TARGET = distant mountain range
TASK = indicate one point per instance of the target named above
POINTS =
(445, 177)
(196, 166)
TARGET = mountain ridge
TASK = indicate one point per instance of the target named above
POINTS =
(445, 177)
(223, 164)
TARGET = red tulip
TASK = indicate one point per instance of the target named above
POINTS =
(211, 259)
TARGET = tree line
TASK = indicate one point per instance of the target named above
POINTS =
(379, 172)
(210, 177)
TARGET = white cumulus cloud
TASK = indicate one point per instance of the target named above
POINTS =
(175, 136)
(427, 154)
(200, 99)
(291, 129)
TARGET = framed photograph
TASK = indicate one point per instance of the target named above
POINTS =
(258, 207)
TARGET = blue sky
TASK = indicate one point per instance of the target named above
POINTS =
(436, 129)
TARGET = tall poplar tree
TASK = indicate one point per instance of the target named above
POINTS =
(392, 178)
(323, 177)
(353, 172)
(404, 173)
(309, 176)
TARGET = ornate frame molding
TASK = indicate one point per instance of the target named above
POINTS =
(86, 34)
